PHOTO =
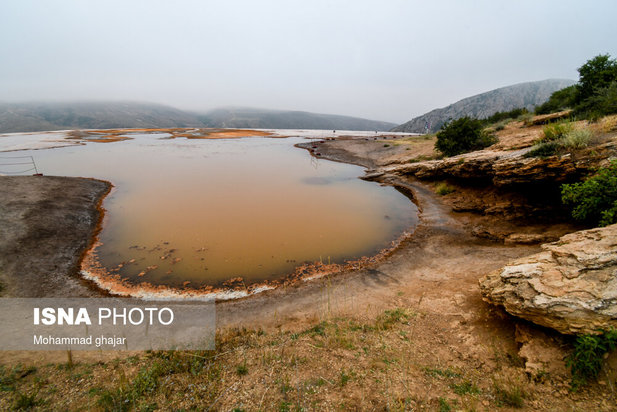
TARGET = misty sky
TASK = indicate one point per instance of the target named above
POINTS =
(387, 60)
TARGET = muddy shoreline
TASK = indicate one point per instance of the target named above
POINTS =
(85, 197)
(99, 281)
(48, 223)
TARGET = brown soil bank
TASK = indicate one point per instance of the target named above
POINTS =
(46, 223)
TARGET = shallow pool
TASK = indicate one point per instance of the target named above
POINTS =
(201, 212)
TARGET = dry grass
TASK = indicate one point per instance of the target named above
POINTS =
(339, 363)
(342, 362)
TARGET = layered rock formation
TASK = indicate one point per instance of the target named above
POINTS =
(504, 168)
(570, 286)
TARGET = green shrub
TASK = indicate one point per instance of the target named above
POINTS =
(595, 94)
(502, 116)
(559, 100)
(556, 131)
(585, 362)
(461, 136)
(559, 138)
(595, 199)
(577, 139)
(596, 74)
(544, 150)
(603, 102)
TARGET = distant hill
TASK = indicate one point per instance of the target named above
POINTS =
(281, 119)
(32, 117)
(483, 105)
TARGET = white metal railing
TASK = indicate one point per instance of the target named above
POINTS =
(17, 165)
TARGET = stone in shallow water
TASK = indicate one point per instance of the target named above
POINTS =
(570, 286)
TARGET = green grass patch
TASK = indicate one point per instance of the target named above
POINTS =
(444, 373)
(319, 329)
(10, 376)
(464, 388)
(242, 369)
(443, 189)
(345, 377)
(391, 317)
(444, 405)
(513, 396)
(26, 401)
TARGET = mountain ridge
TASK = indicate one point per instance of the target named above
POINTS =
(43, 116)
(483, 105)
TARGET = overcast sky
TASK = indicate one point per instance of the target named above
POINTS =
(383, 59)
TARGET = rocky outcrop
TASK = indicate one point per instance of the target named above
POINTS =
(506, 168)
(570, 286)
(551, 117)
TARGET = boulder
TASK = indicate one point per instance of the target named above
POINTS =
(571, 286)
(551, 117)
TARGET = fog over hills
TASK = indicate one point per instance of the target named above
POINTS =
(280, 119)
(32, 117)
(483, 105)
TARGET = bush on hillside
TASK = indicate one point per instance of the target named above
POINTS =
(559, 100)
(499, 116)
(555, 131)
(595, 199)
(595, 94)
(577, 139)
(597, 74)
(463, 135)
(602, 103)
(559, 139)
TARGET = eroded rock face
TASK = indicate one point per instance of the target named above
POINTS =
(507, 168)
(570, 286)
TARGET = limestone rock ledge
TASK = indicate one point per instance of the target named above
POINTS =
(570, 286)
(506, 168)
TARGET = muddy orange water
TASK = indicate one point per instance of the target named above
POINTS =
(205, 211)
